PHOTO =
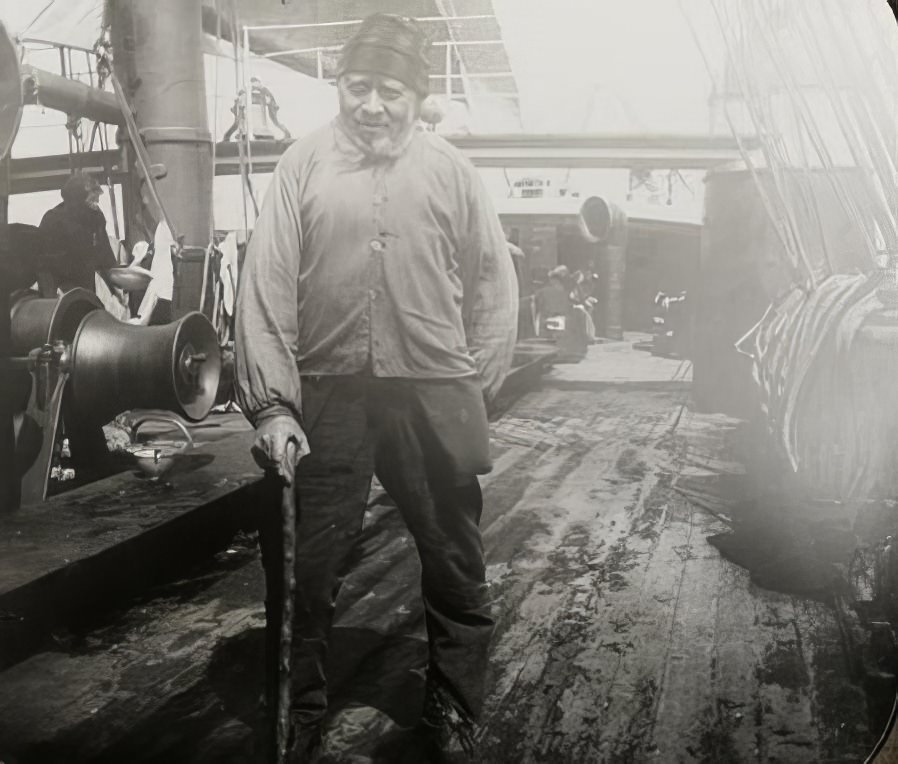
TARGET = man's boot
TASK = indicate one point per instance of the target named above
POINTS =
(450, 732)
(305, 744)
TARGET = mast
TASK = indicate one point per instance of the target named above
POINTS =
(11, 98)
(158, 59)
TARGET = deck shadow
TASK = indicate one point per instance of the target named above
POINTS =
(773, 535)
(221, 718)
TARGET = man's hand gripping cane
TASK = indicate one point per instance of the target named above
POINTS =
(279, 445)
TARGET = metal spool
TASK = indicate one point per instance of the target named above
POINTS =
(38, 321)
(117, 367)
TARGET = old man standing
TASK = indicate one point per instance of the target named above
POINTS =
(376, 315)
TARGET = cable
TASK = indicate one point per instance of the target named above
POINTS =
(215, 112)
(236, 47)
(36, 18)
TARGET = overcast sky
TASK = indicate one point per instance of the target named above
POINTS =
(605, 66)
(580, 65)
(595, 66)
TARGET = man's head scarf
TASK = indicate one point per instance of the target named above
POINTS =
(78, 187)
(392, 46)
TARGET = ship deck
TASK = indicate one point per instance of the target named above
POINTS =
(622, 634)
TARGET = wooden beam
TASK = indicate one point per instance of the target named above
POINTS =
(548, 151)
(49, 173)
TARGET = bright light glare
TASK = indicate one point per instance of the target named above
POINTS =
(609, 67)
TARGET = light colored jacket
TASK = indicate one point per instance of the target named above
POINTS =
(398, 266)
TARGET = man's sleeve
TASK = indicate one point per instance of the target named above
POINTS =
(104, 257)
(49, 227)
(266, 323)
(491, 293)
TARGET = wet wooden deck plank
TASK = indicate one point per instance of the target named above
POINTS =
(622, 635)
(702, 666)
(717, 688)
(118, 693)
(100, 544)
(43, 539)
(123, 515)
(569, 677)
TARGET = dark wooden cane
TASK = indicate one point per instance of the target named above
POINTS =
(285, 647)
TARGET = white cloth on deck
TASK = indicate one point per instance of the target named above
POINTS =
(163, 283)
(228, 275)
(162, 268)
(139, 252)
(111, 303)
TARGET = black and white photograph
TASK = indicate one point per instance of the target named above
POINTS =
(448, 382)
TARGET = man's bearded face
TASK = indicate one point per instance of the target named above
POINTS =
(379, 112)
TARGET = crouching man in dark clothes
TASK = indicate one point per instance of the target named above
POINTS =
(75, 231)
(376, 312)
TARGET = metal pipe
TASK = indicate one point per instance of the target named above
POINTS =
(10, 87)
(472, 75)
(320, 48)
(247, 102)
(159, 61)
(350, 22)
(69, 96)
(612, 272)
(52, 43)
(448, 71)
(606, 224)
(9, 479)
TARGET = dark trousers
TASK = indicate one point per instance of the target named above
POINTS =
(426, 440)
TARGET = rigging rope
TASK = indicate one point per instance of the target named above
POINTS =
(236, 47)
(822, 119)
